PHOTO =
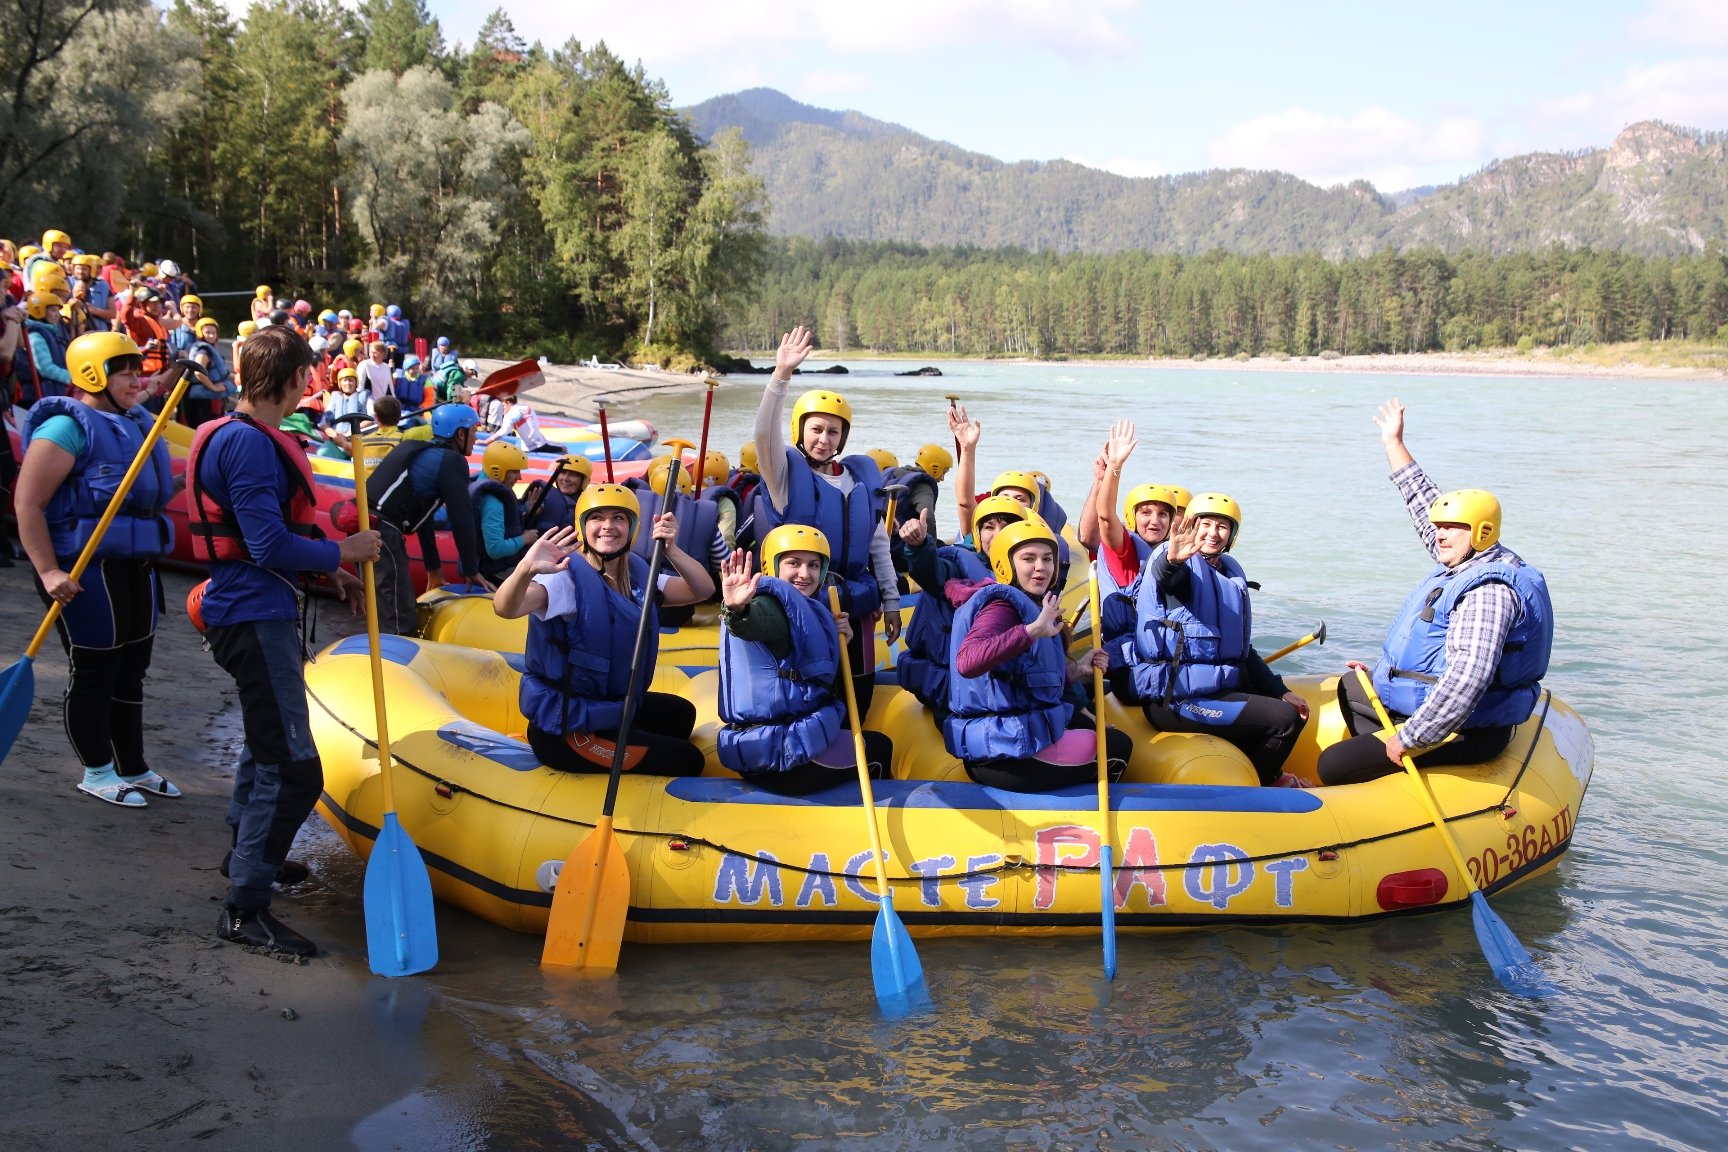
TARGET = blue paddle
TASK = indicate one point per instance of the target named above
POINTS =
(18, 683)
(1505, 955)
(401, 930)
(1105, 851)
(894, 966)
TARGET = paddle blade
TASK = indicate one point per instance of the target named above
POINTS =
(894, 966)
(1511, 963)
(1109, 905)
(401, 932)
(589, 906)
(17, 692)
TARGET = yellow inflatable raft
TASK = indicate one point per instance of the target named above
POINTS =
(714, 858)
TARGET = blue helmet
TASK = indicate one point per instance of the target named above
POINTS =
(410, 361)
(394, 312)
(449, 419)
(443, 341)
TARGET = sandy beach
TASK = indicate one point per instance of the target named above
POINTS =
(572, 389)
(127, 1024)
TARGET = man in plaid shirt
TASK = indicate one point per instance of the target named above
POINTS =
(1466, 653)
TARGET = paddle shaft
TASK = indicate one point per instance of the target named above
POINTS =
(1106, 849)
(120, 494)
(702, 452)
(378, 710)
(605, 440)
(1422, 791)
(857, 723)
(1318, 634)
(532, 512)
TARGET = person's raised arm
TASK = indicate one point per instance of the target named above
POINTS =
(520, 594)
(1087, 530)
(966, 433)
(771, 413)
(1117, 449)
(1390, 421)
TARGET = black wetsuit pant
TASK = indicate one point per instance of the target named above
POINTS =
(808, 777)
(1030, 774)
(659, 742)
(1363, 755)
(108, 631)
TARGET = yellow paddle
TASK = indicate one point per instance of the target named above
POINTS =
(1511, 963)
(1105, 850)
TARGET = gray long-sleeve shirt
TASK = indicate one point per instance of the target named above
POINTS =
(771, 465)
(1476, 631)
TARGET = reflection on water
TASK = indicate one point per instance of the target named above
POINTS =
(1391, 1034)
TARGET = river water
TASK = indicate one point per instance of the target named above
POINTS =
(1393, 1034)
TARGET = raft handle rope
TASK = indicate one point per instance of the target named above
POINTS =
(1010, 863)
(1530, 754)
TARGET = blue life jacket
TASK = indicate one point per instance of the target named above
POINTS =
(847, 519)
(577, 667)
(780, 713)
(915, 479)
(1414, 654)
(1118, 605)
(556, 510)
(24, 364)
(698, 521)
(480, 489)
(1016, 710)
(111, 443)
(1191, 648)
(181, 340)
(219, 372)
(923, 667)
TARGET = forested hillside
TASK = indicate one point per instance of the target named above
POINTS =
(1658, 190)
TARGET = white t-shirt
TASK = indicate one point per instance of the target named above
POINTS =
(378, 378)
(561, 593)
(525, 425)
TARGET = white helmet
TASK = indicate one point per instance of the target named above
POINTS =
(263, 322)
(471, 367)
(318, 343)
(168, 268)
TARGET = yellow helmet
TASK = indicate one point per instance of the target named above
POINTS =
(1043, 479)
(598, 496)
(999, 506)
(347, 374)
(1220, 505)
(87, 260)
(934, 461)
(48, 277)
(87, 358)
(191, 299)
(825, 403)
(262, 292)
(501, 458)
(715, 468)
(246, 328)
(351, 348)
(149, 270)
(1186, 497)
(656, 476)
(1475, 509)
(36, 306)
(26, 252)
(205, 323)
(884, 458)
(1142, 493)
(54, 236)
(747, 456)
(1027, 482)
(1012, 537)
(580, 465)
(794, 538)
(377, 310)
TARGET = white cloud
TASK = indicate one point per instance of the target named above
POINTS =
(1692, 24)
(1375, 144)
(784, 33)
(1692, 92)
(813, 85)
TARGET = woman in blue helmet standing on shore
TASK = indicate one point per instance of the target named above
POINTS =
(77, 449)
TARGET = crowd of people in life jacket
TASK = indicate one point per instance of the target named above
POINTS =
(988, 651)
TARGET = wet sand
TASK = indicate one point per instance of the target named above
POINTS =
(127, 1024)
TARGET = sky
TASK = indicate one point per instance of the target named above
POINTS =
(1331, 90)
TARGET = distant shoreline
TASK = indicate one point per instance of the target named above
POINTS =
(1604, 363)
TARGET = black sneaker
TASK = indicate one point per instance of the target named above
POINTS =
(256, 928)
(291, 871)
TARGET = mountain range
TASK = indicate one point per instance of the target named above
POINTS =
(1657, 189)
